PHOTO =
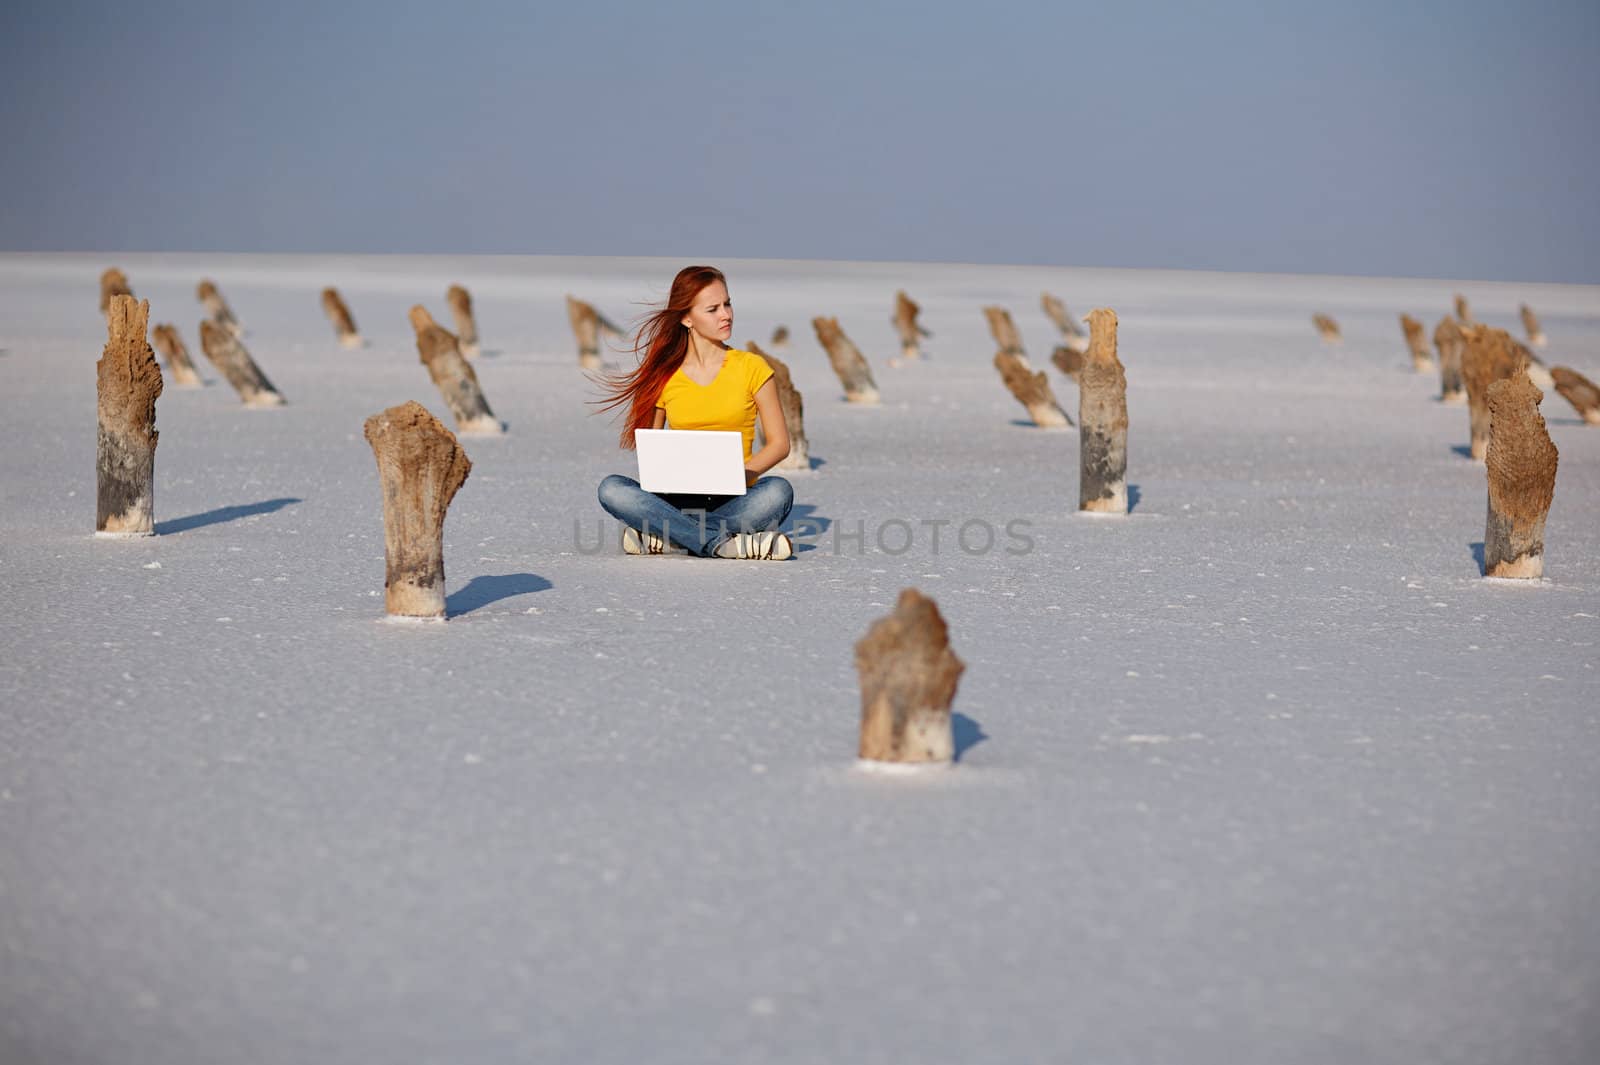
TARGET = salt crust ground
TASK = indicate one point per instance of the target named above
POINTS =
(1264, 773)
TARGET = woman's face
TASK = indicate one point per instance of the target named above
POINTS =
(712, 313)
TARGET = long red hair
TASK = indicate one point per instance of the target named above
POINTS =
(663, 342)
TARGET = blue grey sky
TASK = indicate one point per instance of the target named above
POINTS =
(1453, 140)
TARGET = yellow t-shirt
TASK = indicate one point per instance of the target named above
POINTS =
(727, 403)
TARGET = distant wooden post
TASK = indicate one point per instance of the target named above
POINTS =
(420, 468)
(338, 313)
(460, 302)
(853, 371)
(1077, 341)
(1488, 355)
(1537, 371)
(1069, 360)
(217, 307)
(1464, 311)
(1032, 390)
(1417, 342)
(1522, 480)
(780, 338)
(235, 363)
(1103, 418)
(453, 376)
(1327, 328)
(1004, 330)
(908, 681)
(1579, 391)
(113, 283)
(905, 323)
(1447, 338)
(1530, 322)
(125, 457)
(172, 348)
(799, 457)
(586, 327)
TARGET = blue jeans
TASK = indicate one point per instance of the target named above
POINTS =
(763, 506)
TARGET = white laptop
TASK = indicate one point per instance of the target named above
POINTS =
(690, 461)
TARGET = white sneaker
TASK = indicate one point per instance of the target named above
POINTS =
(767, 545)
(650, 545)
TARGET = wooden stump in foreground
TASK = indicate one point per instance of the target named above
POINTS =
(905, 323)
(1488, 355)
(113, 283)
(1072, 333)
(172, 348)
(129, 380)
(420, 468)
(1032, 390)
(1417, 344)
(454, 377)
(235, 363)
(799, 457)
(344, 326)
(1448, 339)
(460, 302)
(1103, 418)
(1530, 322)
(908, 681)
(217, 307)
(1327, 329)
(1522, 480)
(1579, 391)
(854, 373)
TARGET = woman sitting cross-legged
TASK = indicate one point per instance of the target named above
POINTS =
(689, 378)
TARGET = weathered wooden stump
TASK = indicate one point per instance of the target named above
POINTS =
(1447, 338)
(172, 348)
(217, 307)
(420, 468)
(344, 326)
(129, 380)
(586, 327)
(908, 681)
(460, 302)
(854, 373)
(1327, 329)
(113, 283)
(1464, 311)
(780, 338)
(1005, 334)
(1069, 360)
(1417, 343)
(1530, 322)
(799, 457)
(1522, 480)
(1488, 355)
(1076, 340)
(1103, 420)
(1537, 371)
(454, 377)
(229, 356)
(1579, 391)
(905, 323)
(1032, 390)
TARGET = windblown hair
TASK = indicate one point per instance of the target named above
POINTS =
(661, 344)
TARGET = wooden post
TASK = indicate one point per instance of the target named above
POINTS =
(420, 468)
(1032, 390)
(460, 302)
(1522, 480)
(1417, 343)
(1327, 328)
(853, 371)
(905, 323)
(235, 363)
(1464, 311)
(586, 327)
(1072, 333)
(125, 457)
(1004, 330)
(453, 376)
(1103, 418)
(338, 313)
(1447, 338)
(799, 457)
(172, 348)
(780, 338)
(1488, 355)
(1069, 360)
(908, 681)
(113, 283)
(1579, 391)
(217, 307)
(1530, 322)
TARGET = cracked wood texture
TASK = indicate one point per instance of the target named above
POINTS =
(1521, 462)
(1487, 355)
(421, 466)
(129, 380)
(1103, 420)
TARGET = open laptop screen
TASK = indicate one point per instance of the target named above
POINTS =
(698, 462)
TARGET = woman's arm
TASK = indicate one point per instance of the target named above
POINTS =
(661, 419)
(776, 449)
